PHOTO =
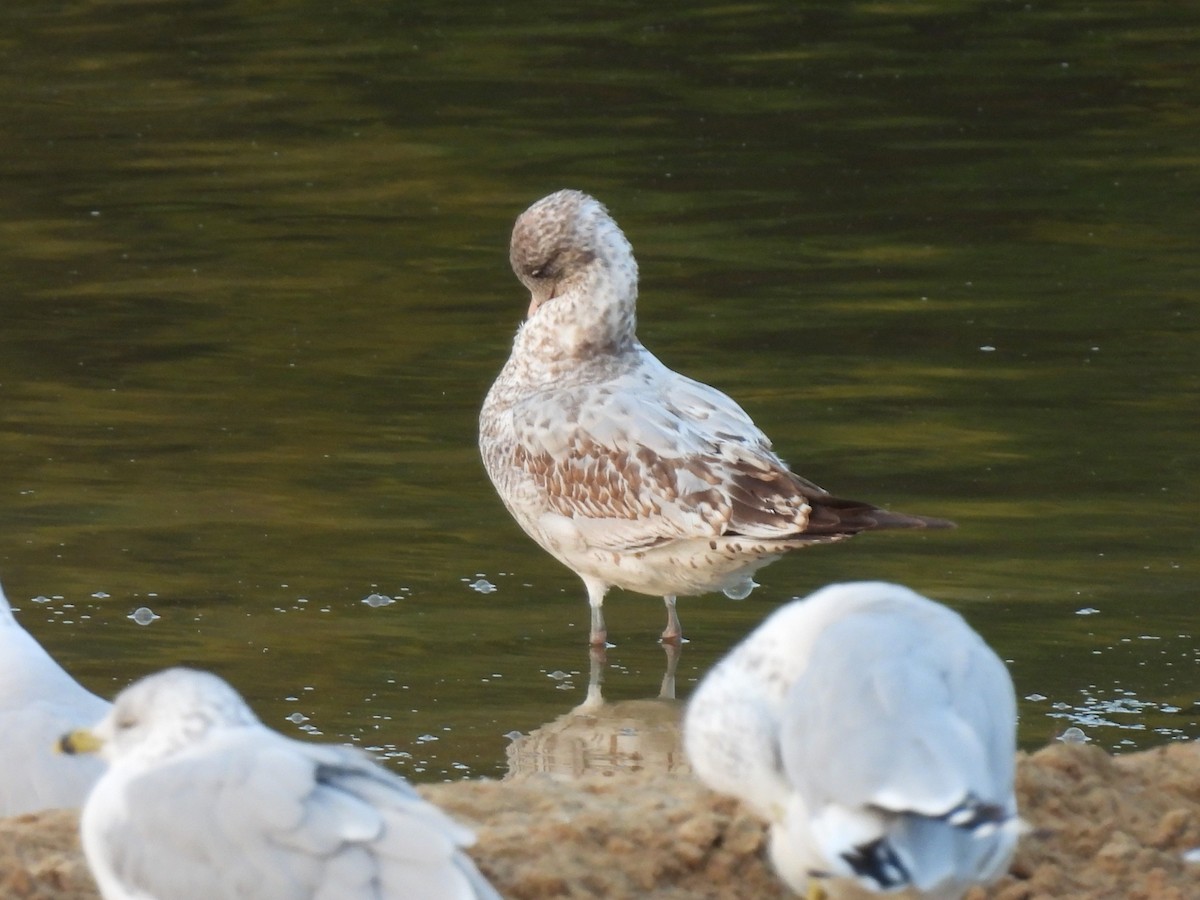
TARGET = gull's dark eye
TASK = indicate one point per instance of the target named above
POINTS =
(125, 723)
(549, 268)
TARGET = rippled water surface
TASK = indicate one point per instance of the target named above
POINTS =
(256, 286)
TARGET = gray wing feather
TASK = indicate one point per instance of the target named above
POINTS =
(914, 728)
(274, 818)
(904, 720)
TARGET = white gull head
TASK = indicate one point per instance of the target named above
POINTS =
(168, 713)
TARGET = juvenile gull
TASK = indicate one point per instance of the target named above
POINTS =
(875, 731)
(201, 801)
(38, 702)
(625, 471)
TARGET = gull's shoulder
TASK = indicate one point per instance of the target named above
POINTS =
(636, 401)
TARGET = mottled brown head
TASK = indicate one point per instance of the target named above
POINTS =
(568, 240)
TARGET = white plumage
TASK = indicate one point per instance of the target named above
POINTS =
(38, 702)
(875, 731)
(202, 802)
(627, 472)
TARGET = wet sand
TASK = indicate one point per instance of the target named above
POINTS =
(1099, 827)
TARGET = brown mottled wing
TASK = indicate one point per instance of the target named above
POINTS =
(655, 456)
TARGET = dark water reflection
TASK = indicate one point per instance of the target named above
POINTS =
(256, 286)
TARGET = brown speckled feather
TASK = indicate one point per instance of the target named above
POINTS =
(603, 454)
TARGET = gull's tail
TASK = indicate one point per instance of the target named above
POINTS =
(833, 515)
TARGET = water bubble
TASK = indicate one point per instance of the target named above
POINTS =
(377, 600)
(483, 586)
(101, 595)
(1074, 735)
(143, 615)
(297, 718)
(740, 591)
(1087, 611)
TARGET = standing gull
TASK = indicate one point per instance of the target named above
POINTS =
(201, 801)
(875, 731)
(625, 471)
(38, 702)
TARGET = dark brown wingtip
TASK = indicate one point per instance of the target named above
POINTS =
(835, 515)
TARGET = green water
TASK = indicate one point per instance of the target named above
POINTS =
(256, 285)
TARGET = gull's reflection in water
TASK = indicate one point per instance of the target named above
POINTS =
(602, 738)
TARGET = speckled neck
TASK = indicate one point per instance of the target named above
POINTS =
(582, 277)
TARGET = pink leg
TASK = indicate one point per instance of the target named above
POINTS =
(673, 633)
(598, 635)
